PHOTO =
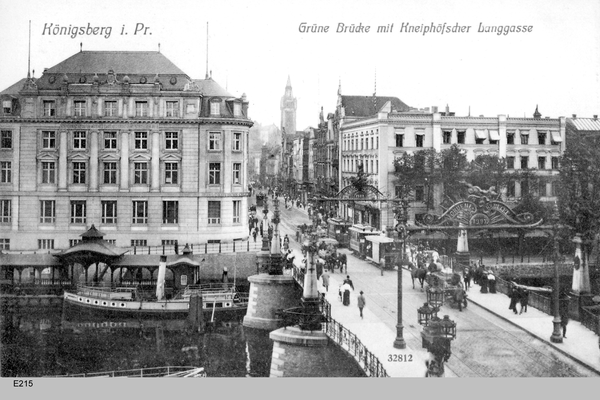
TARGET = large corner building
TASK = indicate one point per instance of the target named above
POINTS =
(125, 141)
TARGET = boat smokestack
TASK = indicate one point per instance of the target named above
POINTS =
(160, 279)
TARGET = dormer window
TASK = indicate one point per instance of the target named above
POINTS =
(237, 109)
(215, 108)
(7, 106)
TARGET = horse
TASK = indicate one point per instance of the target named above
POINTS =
(418, 273)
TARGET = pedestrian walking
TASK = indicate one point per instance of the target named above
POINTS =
(492, 282)
(361, 303)
(349, 281)
(524, 300)
(325, 277)
(514, 297)
(467, 278)
(224, 275)
(254, 234)
(382, 264)
(346, 288)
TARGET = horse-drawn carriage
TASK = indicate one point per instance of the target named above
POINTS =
(446, 288)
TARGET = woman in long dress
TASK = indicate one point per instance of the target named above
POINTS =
(346, 294)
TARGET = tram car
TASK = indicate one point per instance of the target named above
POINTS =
(378, 247)
(358, 243)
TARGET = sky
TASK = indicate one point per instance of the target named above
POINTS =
(253, 46)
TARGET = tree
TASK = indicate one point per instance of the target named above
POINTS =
(579, 192)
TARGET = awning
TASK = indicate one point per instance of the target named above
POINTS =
(399, 131)
(420, 132)
(494, 135)
(6, 103)
(480, 133)
(523, 131)
(556, 137)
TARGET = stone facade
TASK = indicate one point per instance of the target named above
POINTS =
(125, 141)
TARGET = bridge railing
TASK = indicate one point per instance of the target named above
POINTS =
(237, 246)
(347, 340)
(590, 320)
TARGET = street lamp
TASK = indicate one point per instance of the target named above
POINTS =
(435, 296)
(426, 313)
(402, 218)
(556, 336)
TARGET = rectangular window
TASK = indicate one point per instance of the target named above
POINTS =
(78, 212)
(524, 188)
(5, 211)
(237, 109)
(140, 173)
(109, 212)
(170, 212)
(399, 140)
(79, 140)
(169, 242)
(79, 108)
(110, 173)
(447, 138)
(542, 189)
(79, 172)
(7, 106)
(510, 138)
(419, 193)
(139, 242)
(541, 137)
(172, 109)
(48, 139)
(214, 212)
(5, 172)
(140, 212)
(47, 211)
(141, 108)
(49, 108)
(237, 207)
(237, 173)
(141, 140)
(4, 244)
(110, 108)
(510, 162)
(171, 170)
(524, 162)
(460, 137)
(110, 140)
(510, 189)
(48, 172)
(171, 140)
(419, 140)
(6, 140)
(541, 162)
(555, 163)
(237, 141)
(45, 244)
(214, 140)
(74, 242)
(215, 108)
(524, 139)
(214, 173)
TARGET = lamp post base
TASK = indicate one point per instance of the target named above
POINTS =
(556, 334)
(399, 343)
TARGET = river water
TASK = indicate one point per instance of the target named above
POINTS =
(50, 341)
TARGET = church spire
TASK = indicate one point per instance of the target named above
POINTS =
(289, 82)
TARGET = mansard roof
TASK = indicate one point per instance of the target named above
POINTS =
(364, 106)
(121, 62)
(14, 89)
(210, 88)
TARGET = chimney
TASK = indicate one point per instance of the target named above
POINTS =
(574, 116)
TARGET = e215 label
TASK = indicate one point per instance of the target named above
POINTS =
(400, 357)
(22, 383)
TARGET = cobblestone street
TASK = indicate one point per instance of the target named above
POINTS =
(485, 346)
